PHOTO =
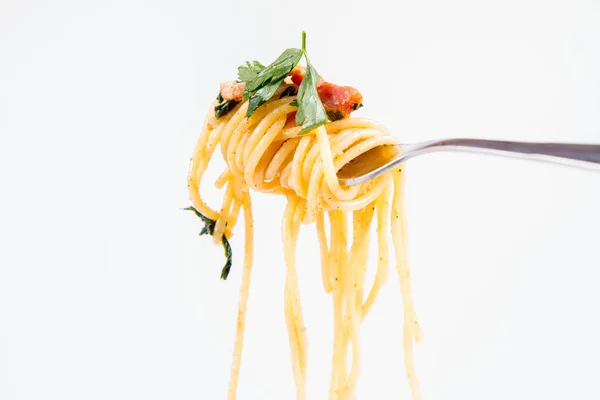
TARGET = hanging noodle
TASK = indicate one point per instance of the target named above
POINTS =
(265, 153)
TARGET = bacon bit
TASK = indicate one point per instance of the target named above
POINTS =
(232, 90)
(341, 99)
(297, 74)
(336, 99)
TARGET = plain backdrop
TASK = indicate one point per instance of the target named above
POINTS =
(107, 292)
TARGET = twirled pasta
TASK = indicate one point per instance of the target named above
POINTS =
(266, 153)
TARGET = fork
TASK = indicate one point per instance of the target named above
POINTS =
(381, 159)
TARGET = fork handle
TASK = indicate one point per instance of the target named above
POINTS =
(582, 155)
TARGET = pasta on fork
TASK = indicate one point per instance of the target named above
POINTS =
(282, 129)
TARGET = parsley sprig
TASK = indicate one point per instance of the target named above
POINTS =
(262, 83)
(208, 229)
(311, 112)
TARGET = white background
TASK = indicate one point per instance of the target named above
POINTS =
(107, 292)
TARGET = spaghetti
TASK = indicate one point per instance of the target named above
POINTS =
(266, 153)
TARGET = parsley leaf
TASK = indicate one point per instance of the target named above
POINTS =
(262, 84)
(208, 229)
(278, 70)
(249, 70)
(227, 267)
(224, 106)
(261, 96)
(311, 113)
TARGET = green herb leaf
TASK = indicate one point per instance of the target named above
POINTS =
(204, 218)
(261, 96)
(263, 83)
(276, 71)
(208, 229)
(311, 113)
(249, 70)
(227, 266)
(356, 106)
(224, 106)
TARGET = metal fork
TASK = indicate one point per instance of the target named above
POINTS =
(381, 159)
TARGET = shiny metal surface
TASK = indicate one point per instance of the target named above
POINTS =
(381, 159)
